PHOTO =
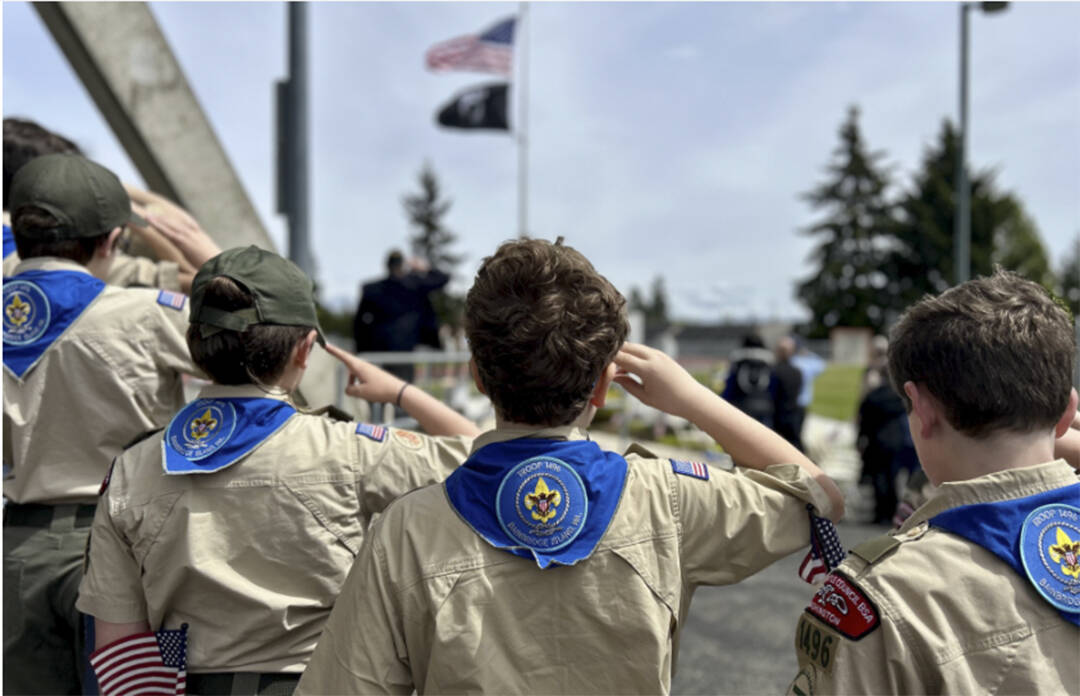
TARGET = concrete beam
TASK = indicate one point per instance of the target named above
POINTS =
(120, 54)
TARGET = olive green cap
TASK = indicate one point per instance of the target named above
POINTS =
(86, 199)
(283, 293)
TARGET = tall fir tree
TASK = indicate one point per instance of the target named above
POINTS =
(431, 240)
(847, 287)
(1001, 232)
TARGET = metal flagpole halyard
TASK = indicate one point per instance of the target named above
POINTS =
(522, 121)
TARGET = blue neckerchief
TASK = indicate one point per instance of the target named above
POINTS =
(39, 306)
(9, 242)
(997, 526)
(209, 435)
(550, 500)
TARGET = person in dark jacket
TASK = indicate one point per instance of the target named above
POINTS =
(396, 314)
(749, 381)
(787, 385)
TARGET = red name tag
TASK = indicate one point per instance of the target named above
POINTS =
(844, 607)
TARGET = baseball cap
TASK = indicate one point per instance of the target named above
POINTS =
(86, 199)
(282, 293)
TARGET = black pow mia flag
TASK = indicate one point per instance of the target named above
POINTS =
(483, 106)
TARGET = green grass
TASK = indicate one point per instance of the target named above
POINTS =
(836, 392)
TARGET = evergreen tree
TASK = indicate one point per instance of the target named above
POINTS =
(431, 240)
(847, 288)
(425, 212)
(655, 309)
(1001, 232)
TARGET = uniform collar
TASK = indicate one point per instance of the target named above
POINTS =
(49, 263)
(996, 487)
(560, 432)
(240, 391)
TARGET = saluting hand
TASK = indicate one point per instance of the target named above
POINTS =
(661, 382)
(188, 236)
(367, 381)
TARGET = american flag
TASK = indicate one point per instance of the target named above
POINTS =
(491, 51)
(825, 551)
(143, 663)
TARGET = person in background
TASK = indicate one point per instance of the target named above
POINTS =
(545, 564)
(810, 365)
(396, 314)
(749, 386)
(979, 590)
(242, 518)
(88, 367)
(787, 385)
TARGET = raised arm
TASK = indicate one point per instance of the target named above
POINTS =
(366, 381)
(663, 384)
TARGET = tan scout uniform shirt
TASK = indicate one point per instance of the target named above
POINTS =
(954, 618)
(113, 375)
(126, 271)
(253, 556)
(430, 604)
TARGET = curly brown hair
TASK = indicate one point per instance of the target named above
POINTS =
(997, 353)
(542, 325)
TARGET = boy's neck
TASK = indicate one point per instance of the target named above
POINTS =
(959, 458)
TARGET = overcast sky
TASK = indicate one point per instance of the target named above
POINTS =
(666, 139)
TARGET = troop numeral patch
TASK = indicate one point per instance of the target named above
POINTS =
(816, 644)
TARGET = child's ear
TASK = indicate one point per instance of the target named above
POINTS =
(1066, 420)
(600, 390)
(304, 348)
(476, 376)
(924, 407)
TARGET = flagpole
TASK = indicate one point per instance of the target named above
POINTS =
(522, 124)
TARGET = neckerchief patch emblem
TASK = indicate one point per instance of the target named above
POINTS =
(26, 312)
(209, 435)
(1050, 551)
(550, 501)
(541, 503)
(39, 307)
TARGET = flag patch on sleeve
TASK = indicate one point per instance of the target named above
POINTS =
(171, 299)
(371, 431)
(695, 469)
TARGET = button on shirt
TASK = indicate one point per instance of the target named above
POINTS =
(430, 605)
(253, 556)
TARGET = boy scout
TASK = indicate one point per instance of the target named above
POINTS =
(25, 140)
(87, 368)
(979, 590)
(242, 518)
(545, 564)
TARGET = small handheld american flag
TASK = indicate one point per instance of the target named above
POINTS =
(825, 552)
(143, 663)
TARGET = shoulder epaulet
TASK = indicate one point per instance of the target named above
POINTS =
(329, 411)
(640, 451)
(875, 549)
(141, 437)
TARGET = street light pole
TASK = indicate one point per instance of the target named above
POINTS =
(962, 228)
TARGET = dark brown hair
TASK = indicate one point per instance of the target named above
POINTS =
(23, 141)
(28, 219)
(996, 352)
(542, 325)
(259, 352)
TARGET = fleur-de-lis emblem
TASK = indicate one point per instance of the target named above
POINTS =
(203, 425)
(1067, 553)
(17, 310)
(544, 500)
